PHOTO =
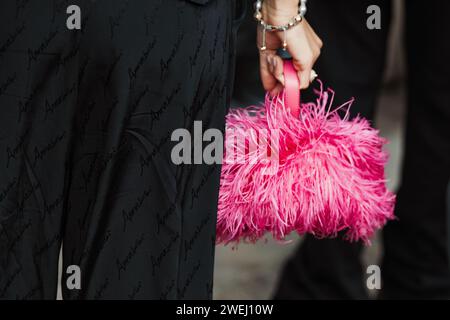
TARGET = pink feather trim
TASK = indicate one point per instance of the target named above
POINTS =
(328, 176)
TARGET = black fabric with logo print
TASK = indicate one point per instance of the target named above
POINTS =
(85, 142)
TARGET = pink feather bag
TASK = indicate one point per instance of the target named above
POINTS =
(291, 166)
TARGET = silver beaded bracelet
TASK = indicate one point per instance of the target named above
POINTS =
(271, 28)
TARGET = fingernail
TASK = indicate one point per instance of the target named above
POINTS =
(280, 78)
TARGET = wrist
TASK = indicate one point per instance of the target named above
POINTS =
(279, 11)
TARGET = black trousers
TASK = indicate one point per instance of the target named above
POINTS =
(416, 259)
(85, 146)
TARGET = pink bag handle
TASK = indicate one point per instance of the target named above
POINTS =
(291, 88)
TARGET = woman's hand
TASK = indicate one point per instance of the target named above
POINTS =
(303, 44)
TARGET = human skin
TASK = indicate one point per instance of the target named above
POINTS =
(303, 45)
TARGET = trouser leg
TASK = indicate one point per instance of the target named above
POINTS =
(140, 226)
(416, 262)
(37, 99)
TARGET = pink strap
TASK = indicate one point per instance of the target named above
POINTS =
(291, 88)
